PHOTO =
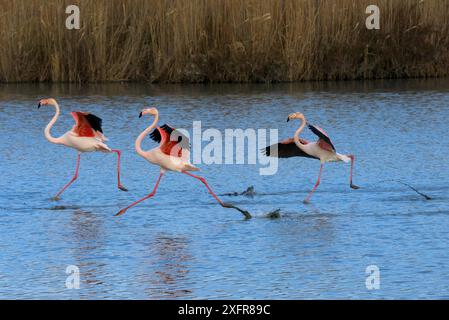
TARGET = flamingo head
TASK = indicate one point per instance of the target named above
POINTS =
(44, 102)
(295, 115)
(152, 111)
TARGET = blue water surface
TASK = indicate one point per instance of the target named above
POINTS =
(181, 244)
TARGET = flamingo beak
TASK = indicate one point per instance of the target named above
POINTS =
(140, 115)
(288, 119)
(39, 105)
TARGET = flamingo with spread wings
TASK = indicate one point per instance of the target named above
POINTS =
(322, 150)
(85, 136)
(172, 154)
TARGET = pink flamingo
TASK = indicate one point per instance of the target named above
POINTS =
(85, 136)
(322, 150)
(172, 154)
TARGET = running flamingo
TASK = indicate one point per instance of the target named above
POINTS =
(322, 150)
(172, 154)
(85, 136)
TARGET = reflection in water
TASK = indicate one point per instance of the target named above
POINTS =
(88, 243)
(316, 225)
(171, 261)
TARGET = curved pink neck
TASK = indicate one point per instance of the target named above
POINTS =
(138, 144)
(296, 136)
(47, 132)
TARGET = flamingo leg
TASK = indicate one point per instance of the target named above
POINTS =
(144, 198)
(353, 186)
(120, 186)
(207, 186)
(225, 205)
(56, 197)
(307, 200)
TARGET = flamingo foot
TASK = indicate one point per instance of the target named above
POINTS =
(353, 186)
(306, 201)
(55, 198)
(244, 212)
(120, 213)
(122, 188)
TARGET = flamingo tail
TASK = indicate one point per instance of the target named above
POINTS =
(344, 158)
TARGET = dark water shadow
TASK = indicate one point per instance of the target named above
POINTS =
(63, 207)
(171, 258)
(88, 238)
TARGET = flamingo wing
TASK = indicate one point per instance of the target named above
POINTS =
(87, 125)
(324, 140)
(286, 149)
(82, 126)
(169, 138)
(95, 122)
(156, 135)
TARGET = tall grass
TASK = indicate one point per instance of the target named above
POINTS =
(222, 40)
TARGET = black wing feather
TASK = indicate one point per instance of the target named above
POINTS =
(285, 150)
(183, 141)
(321, 135)
(95, 122)
(155, 135)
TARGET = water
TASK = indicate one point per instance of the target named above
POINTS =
(181, 244)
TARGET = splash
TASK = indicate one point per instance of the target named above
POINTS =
(425, 196)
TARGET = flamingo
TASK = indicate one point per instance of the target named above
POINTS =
(322, 150)
(172, 154)
(85, 136)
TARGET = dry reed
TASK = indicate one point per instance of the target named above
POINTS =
(222, 40)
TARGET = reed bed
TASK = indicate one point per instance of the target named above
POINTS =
(222, 40)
